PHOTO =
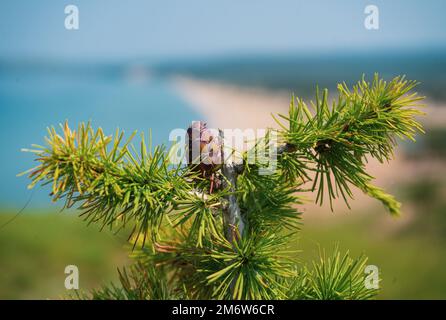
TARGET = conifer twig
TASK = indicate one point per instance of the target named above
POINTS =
(230, 242)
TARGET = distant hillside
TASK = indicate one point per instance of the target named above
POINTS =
(300, 73)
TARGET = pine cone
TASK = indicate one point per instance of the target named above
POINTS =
(204, 148)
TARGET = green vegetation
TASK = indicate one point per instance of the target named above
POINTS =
(35, 249)
(433, 144)
(213, 230)
(37, 246)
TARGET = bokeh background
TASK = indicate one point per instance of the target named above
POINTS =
(158, 65)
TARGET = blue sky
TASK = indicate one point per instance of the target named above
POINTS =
(113, 29)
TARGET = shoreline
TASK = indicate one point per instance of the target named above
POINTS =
(227, 106)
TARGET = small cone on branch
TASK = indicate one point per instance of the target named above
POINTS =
(204, 150)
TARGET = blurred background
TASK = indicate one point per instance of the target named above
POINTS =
(141, 65)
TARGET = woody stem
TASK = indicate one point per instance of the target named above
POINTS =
(232, 216)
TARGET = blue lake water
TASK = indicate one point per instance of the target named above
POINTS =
(32, 101)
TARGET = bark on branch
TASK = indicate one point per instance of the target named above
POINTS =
(232, 216)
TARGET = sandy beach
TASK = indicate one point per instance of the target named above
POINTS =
(226, 106)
